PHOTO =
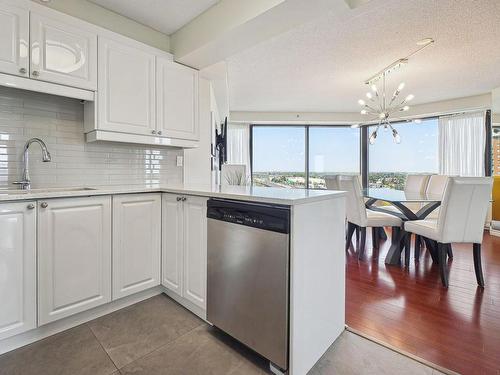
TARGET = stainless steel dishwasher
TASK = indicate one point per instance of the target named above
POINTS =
(248, 275)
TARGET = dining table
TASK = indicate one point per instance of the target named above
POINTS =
(397, 202)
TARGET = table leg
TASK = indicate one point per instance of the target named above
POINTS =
(394, 254)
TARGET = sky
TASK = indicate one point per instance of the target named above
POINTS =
(336, 149)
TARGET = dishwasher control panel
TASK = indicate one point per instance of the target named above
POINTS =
(275, 218)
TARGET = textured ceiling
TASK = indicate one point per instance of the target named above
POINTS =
(321, 66)
(166, 16)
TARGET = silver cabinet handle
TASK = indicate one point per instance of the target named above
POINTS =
(44, 205)
(30, 206)
(153, 131)
(22, 70)
(35, 73)
(159, 132)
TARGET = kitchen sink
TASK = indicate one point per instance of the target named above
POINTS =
(45, 190)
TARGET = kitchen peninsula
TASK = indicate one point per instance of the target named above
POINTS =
(96, 250)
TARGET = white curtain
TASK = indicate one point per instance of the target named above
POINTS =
(462, 142)
(238, 145)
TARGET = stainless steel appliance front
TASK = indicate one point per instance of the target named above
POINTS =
(248, 273)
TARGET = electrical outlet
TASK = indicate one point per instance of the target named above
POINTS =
(180, 161)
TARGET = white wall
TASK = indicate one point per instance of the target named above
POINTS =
(58, 122)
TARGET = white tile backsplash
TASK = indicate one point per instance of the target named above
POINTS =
(59, 123)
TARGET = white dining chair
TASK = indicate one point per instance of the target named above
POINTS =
(358, 215)
(461, 220)
(332, 182)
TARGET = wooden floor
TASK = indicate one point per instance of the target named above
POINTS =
(458, 328)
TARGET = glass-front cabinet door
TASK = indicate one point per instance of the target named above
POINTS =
(63, 53)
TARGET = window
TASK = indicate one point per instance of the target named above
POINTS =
(278, 156)
(389, 163)
(332, 150)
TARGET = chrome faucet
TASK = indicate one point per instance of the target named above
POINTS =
(25, 183)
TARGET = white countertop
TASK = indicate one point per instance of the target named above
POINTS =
(246, 193)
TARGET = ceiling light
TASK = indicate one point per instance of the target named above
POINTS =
(425, 42)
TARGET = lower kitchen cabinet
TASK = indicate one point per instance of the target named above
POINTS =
(17, 268)
(184, 249)
(74, 256)
(136, 243)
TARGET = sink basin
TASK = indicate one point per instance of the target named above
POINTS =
(45, 190)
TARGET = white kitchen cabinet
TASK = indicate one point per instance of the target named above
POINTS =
(172, 242)
(177, 100)
(17, 268)
(63, 51)
(74, 256)
(185, 247)
(126, 80)
(14, 39)
(136, 243)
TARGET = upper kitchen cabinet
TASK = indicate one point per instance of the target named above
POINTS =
(63, 51)
(126, 98)
(177, 100)
(14, 39)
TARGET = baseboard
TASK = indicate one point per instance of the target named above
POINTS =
(187, 304)
(402, 352)
(50, 329)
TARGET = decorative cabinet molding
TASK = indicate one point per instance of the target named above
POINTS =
(18, 268)
(136, 243)
(14, 39)
(74, 256)
(62, 52)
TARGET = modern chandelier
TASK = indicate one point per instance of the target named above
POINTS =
(383, 107)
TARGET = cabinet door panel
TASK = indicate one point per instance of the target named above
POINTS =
(63, 53)
(195, 250)
(136, 243)
(126, 88)
(172, 243)
(74, 256)
(14, 39)
(177, 100)
(17, 268)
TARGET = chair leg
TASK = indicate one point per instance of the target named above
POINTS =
(449, 250)
(381, 234)
(443, 266)
(362, 242)
(375, 234)
(476, 248)
(407, 249)
(418, 243)
(357, 233)
(350, 231)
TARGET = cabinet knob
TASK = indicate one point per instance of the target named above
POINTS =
(22, 70)
(30, 206)
(179, 199)
(44, 205)
(35, 73)
(184, 199)
(153, 131)
(159, 132)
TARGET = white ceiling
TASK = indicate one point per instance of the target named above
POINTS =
(321, 66)
(166, 16)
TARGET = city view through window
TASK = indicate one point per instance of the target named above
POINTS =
(280, 154)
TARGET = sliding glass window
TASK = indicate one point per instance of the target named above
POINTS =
(389, 163)
(300, 156)
(332, 150)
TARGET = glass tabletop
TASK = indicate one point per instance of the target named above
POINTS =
(393, 195)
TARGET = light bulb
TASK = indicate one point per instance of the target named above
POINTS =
(386, 127)
(401, 86)
(397, 138)
(374, 88)
(369, 95)
(373, 137)
(361, 102)
(409, 97)
(364, 111)
(405, 108)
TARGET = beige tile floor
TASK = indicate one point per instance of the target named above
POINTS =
(159, 337)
